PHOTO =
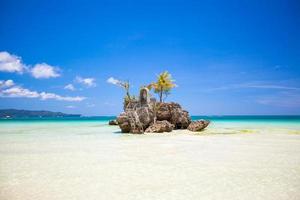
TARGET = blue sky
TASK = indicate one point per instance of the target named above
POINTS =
(227, 57)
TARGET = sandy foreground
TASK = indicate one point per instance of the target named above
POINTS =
(153, 166)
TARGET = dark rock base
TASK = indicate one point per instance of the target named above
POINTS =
(198, 125)
(160, 127)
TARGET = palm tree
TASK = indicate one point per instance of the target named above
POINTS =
(163, 85)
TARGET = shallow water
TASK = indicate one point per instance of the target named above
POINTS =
(86, 159)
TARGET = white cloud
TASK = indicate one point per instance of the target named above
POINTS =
(46, 96)
(269, 86)
(44, 70)
(254, 86)
(89, 82)
(6, 84)
(109, 104)
(11, 63)
(69, 87)
(289, 99)
(71, 107)
(113, 81)
(18, 91)
(90, 105)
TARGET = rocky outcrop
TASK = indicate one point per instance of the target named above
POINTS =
(138, 117)
(112, 122)
(160, 127)
(123, 122)
(136, 120)
(146, 114)
(198, 125)
(173, 113)
(163, 111)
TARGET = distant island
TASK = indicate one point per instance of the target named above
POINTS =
(14, 113)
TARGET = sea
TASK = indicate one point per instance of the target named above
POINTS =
(99, 124)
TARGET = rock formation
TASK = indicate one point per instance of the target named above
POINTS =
(113, 122)
(147, 115)
(173, 113)
(160, 127)
(198, 125)
(138, 115)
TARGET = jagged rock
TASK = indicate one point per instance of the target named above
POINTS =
(180, 119)
(113, 122)
(163, 111)
(198, 125)
(160, 127)
(136, 120)
(173, 113)
(130, 105)
(139, 114)
(123, 122)
(145, 115)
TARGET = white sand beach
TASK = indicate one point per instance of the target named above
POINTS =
(96, 162)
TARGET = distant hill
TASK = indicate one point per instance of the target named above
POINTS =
(14, 113)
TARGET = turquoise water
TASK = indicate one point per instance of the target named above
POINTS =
(291, 122)
(223, 119)
(99, 125)
(59, 119)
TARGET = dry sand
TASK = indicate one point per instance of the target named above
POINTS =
(86, 165)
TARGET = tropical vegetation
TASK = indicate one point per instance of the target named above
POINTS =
(163, 85)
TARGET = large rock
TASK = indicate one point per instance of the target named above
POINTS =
(173, 113)
(163, 111)
(160, 127)
(139, 114)
(123, 122)
(136, 120)
(113, 122)
(198, 125)
(179, 117)
(144, 115)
